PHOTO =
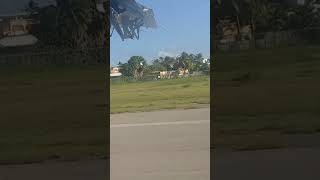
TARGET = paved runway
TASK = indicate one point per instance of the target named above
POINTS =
(174, 144)
(162, 145)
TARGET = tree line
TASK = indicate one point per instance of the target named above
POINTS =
(267, 15)
(76, 24)
(77, 30)
(137, 66)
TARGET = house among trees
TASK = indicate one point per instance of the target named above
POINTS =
(247, 24)
(15, 30)
(13, 25)
(115, 72)
(229, 31)
(165, 74)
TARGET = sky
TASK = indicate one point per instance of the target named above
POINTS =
(184, 25)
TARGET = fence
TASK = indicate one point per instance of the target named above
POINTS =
(125, 79)
(271, 40)
(53, 56)
(152, 77)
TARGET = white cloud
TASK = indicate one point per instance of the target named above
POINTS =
(165, 53)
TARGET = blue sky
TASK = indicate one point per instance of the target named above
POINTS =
(184, 25)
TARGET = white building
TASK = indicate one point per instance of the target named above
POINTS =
(14, 31)
(115, 72)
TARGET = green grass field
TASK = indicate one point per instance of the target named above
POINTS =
(189, 92)
(261, 97)
(56, 113)
(59, 113)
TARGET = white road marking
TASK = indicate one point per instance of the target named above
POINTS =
(159, 123)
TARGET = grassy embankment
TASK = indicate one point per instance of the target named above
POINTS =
(266, 98)
(190, 92)
(52, 113)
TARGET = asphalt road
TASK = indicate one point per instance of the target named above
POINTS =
(162, 145)
(174, 144)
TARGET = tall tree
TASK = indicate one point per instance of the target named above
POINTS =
(184, 63)
(136, 66)
(75, 24)
(157, 65)
(73, 19)
(169, 62)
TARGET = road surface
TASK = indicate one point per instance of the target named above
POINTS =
(161, 145)
(174, 144)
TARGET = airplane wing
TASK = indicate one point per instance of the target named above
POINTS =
(148, 20)
(128, 16)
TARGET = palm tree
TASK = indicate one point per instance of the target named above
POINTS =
(184, 63)
(137, 66)
(80, 23)
(82, 27)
